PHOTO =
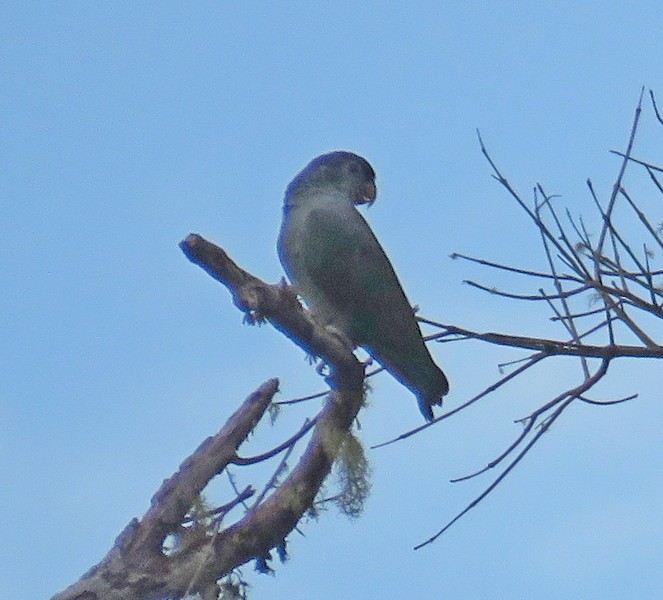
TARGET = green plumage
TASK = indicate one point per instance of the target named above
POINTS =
(339, 268)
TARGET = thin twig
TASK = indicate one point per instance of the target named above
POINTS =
(653, 101)
(518, 270)
(306, 427)
(570, 395)
(618, 183)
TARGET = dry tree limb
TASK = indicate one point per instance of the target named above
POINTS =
(609, 272)
(138, 566)
(601, 271)
(552, 347)
(137, 562)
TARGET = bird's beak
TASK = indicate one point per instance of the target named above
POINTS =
(368, 195)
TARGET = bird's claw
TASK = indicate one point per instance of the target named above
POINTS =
(322, 369)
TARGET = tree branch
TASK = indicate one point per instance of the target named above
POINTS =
(555, 347)
(138, 566)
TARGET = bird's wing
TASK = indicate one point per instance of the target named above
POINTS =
(335, 260)
(349, 267)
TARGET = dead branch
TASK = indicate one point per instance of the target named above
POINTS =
(610, 272)
(556, 347)
(138, 565)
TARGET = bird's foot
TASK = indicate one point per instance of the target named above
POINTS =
(289, 293)
(323, 369)
(340, 336)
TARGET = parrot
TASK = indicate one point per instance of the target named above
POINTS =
(338, 267)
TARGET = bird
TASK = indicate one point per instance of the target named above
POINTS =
(338, 267)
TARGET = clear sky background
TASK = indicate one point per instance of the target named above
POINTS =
(126, 126)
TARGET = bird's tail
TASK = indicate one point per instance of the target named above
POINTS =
(425, 380)
(432, 394)
(417, 371)
(425, 407)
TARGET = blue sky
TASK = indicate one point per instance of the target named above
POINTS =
(125, 126)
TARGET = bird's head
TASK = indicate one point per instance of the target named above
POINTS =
(338, 171)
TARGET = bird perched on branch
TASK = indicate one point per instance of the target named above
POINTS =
(338, 267)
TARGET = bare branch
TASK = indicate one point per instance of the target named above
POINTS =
(643, 219)
(575, 266)
(618, 183)
(138, 549)
(557, 347)
(561, 403)
(610, 270)
(137, 566)
(241, 498)
(496, 292)
(637, 161)
(289, 443)
(491, 388)
(653, 101)
(520, 271)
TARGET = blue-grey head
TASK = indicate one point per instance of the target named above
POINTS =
(338, 171)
